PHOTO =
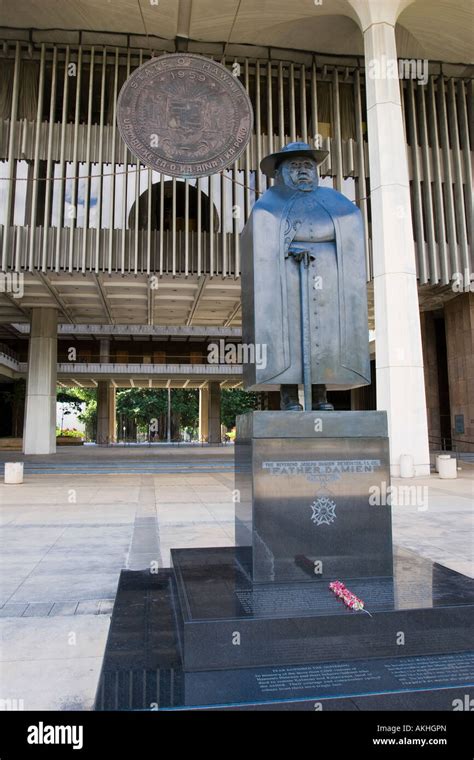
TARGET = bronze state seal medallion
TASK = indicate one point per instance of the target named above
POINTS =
(184, 115)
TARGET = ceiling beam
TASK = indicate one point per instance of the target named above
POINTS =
(11, 330)
(103, 298)
(14, 302)
(233, 313)
(197, 298)
(56, 297)
(183, 26)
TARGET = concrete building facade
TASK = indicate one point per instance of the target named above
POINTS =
(96, 247)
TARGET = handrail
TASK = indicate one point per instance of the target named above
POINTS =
(132, 359)
(450, 438)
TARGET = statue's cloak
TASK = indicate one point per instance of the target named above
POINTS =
(264, 244)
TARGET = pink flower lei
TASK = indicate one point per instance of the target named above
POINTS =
(350, 600)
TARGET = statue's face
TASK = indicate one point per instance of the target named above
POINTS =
(301, 173)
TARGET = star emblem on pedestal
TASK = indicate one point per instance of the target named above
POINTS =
(324, 511)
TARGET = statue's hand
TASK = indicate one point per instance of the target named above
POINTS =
(297, 246)
(300, 254)
(296, 250)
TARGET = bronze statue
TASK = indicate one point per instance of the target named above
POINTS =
(304, 284)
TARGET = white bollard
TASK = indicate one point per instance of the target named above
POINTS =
(447, 467)
(437, 458)
(13, 472)
(407, 469)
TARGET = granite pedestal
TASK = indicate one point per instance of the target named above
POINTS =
(226, 621)
(256, 624)
(306, 481)
(288, 654)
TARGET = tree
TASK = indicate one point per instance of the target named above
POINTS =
(149, 409)
(70, 397)
(185, 403)
(146, 409)
(142, 404)
(78, 396)
(235, 401)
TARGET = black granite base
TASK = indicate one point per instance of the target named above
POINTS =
(143, 663)
(429, 700)
(407, 680)
(226, 621)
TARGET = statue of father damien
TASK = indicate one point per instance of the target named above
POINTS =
(304, 284)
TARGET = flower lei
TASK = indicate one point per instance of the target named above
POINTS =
(350, 600)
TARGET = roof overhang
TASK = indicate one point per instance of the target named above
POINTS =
(432, 29)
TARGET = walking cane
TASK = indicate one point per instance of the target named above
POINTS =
(304, 258)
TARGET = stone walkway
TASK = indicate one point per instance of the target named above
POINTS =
(65, 538)
(441, 527)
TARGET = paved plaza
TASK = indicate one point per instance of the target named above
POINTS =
(77, 520)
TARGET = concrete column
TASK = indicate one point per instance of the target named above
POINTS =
(104, 351)
(104, 400)
(399, 358)
(103, 412)
(39, 436)
(430, 360)
(459, 315)
(112, 415)
(214, 413)
(203, 414)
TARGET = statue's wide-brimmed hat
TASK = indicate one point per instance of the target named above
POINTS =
(270, 163)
